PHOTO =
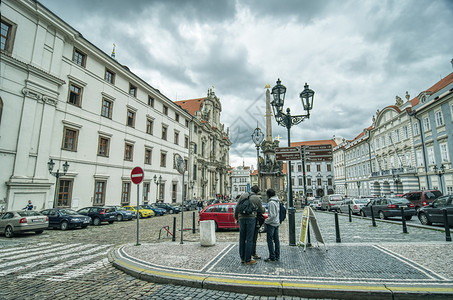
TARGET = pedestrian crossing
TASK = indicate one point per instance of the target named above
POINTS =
(53, 262)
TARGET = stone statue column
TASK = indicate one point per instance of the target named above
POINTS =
(268, 115)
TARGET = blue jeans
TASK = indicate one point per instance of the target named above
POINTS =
(272, 238)
(246, 231)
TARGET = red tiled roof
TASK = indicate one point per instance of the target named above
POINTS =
(312, 143)
(191, 105)
(254, 173)
(435, 88)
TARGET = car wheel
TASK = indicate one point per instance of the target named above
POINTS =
(119, 217)
(381, 215)
(362, 213)
(111, 222)
(216, 227)
(424, 219)
(408, 217)
(39, 231)
(141, 216)
(9, 232)
(64, 225)
(171, 211)
(84, 226)
(96, 221)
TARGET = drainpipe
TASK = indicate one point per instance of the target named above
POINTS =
(414, 114)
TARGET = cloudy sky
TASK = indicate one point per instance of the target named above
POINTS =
(356, 55)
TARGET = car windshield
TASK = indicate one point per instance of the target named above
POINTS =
(28, 213)
(399, 201)
(433, 195)
(362, 201)
(145, 207)
(120, 208)
(68, 212)
(109, 209)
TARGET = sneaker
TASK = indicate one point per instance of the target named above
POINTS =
(242, 261)
(256, 257)
(252, 262)
(269, 259)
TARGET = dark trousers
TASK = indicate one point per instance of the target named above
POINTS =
(246, 232)
(255, 238)
(272, 240)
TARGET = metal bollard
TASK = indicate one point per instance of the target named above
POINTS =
(373, 220)
(403, 220)
(173, 238)
(447, 226)
(193, 222)
(308, 235)
(337, 228)
(350, 213)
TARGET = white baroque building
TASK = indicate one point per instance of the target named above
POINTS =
(63, 99)
(240, 181)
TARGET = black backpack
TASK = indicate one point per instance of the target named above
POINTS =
(245, 207)
(282, 213)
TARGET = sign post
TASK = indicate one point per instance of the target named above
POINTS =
(181, 167)
(137, 175)
(309, 220)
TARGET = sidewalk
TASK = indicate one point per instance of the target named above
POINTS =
(368, 270)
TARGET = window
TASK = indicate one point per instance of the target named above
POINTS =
(439, 118)
(99, 193)
(176, 137)
(292, 168)
(109, 76)
(292, 181)
(194, 176)
(195, 148)
(377, 144)
(161, 191)
(431, 160)
(128, 151)
(383, 141)
(164, 133)
(187, 123)
(150, 101)
(318, 168)
(103, 148)
(64, 193)
(148, 154)
(163, 159)
(130, 118)
(75, 94)
(126, 193)
(195, 128)
(146, 190)
(132, 90)
(329, 181)
(319, 181)
(397, 135)
(174, 192)
(176, 117)
(390, 138)
(186, 142)
(79, 58)
(329, 167)
(202, 148)
(165, 110)
(308, 168)
(408, 159)
(299, 168)
(416, 129)
(70, 139)
(107, 107)
(405, 132)
(443, 152)
(8, 31)
(308, 181)
(149, 126)
(426, 124)
(300, 181)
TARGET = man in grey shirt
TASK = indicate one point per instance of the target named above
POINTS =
(272, 223)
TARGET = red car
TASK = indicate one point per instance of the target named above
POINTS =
(222, 214)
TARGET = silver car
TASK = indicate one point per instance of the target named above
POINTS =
(356, 205)
(22, 221)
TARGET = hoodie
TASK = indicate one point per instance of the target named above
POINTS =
(273, 215)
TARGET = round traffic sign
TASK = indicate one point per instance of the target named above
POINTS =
(137, 175)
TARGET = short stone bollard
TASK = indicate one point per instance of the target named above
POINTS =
(207, 233)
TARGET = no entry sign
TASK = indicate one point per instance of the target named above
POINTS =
(137, 175)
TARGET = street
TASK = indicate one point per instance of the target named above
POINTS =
(73, 264)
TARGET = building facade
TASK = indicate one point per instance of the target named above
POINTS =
(240, 181)
(64, 101)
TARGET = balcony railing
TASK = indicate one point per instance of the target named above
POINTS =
(398, 171)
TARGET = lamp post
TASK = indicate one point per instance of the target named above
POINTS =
(157, 182)
(286, 120)
(396, 180)
(358, 188)
(57, 174)
(257, 138)
(440, 171)
(191, 184)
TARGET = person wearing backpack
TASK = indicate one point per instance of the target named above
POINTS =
(272, 223)
(246, 217)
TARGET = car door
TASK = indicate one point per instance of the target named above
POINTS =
(436, 212)
(221, 214)
(53, 217)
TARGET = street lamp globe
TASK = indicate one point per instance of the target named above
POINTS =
(257, 136)
(307, 96)
(65, 167)
(279, 92)
(50, 165)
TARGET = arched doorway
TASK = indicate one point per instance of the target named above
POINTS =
(376, 188)
(386, 189)
(319, 192)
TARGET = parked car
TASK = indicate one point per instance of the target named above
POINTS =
(190, 204)
(99, 214)
(356, 205)
(122, 213)
(65, 218)
(327, 202)
(316, 204)
(169, 208)
(384, 208)
(222, 214)
(143, 211)
(12, 222)
(422, 198)
(433, 212)
(157, 211)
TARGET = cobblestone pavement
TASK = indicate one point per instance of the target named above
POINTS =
(72, 264)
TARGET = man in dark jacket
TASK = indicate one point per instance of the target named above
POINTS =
(247, 225)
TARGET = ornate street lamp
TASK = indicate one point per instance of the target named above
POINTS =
(257, 138)
(158, 183)
(57, 174)
(191, 185)
(286, 120)
(396, 181)
(440, 171)
(358, 188)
